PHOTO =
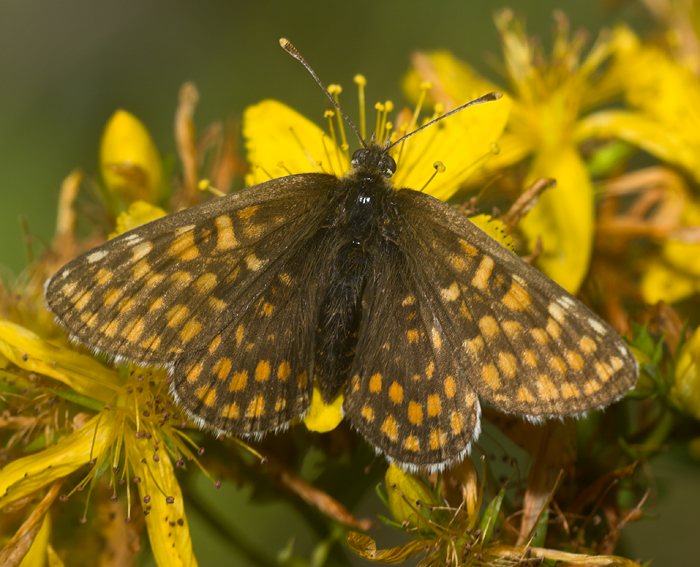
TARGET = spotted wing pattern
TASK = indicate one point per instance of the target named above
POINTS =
(523, 343)
(219, 292)
(407, 395)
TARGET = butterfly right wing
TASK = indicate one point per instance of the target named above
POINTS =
(525, 344)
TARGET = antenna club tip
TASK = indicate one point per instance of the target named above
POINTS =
(284, 42)
(496, 95)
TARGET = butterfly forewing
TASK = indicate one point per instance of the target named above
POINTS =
(524, 344)
(150, 294)
(407, 395)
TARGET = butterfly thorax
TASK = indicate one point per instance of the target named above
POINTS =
(357, 230)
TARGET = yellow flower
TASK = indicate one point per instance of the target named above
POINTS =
(686, 387)
(138, 213)
(129, 161)
(547, 104)
(279, 141)
(132, 435)
(664, 97)
(675, 275)
(323, 417)
(663, 120)
(408, 498)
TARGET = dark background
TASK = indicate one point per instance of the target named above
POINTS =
(66, 66)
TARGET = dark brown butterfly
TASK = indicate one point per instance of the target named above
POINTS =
(385, 295)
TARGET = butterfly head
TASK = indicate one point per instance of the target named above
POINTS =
(374, 160)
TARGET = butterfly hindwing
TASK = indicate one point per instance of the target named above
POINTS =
(252, 376)
(407, 396)
(149, 294)
(524, 344)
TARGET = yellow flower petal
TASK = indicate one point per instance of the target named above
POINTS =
(408, 498)
(81, 372)
(495, 228)
(139, 212)
(664, 282)
(54, 559)
(562, 218)
(163, 503)
(662, 141)
(686, 387)
(129, 160)
(36, 556)
(323, 417)
(466, 142)
(25, 476)
(676, 275)
(280, 141)
(666, 95)
(453, 81)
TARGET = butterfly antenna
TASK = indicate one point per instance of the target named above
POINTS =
(486, 98)
(294, 52)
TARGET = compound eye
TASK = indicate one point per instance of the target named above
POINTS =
(387, 166)
(359, 157)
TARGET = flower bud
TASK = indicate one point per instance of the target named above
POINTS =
(129, 160)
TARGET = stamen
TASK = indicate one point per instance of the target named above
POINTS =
(205, 185)
(308, 156)
(469, 168)
(379, 107)
(328, 154)
(439, 168)
(335, 91)
(330, 114)
(360, 81)
(425, 87)
(387, 107)
(438, 110)
(283, 167)
(265, 171)
(410, 163)
(387, 130)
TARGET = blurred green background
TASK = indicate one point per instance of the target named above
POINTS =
(66, 66)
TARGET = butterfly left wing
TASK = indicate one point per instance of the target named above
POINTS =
(524, 344)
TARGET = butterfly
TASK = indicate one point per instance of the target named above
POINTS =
(383, 294)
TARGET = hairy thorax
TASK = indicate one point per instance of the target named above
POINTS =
(357, 231)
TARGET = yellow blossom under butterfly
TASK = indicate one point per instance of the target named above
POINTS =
(323, 417)
(280, 141)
